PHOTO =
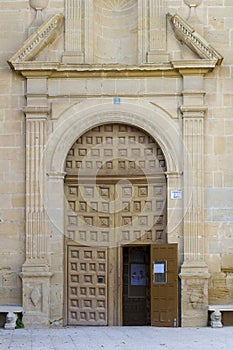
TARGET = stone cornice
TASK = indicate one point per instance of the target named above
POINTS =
(61, 70)
(36, 42)
(187, 34)
(35, 69)
(194, 66)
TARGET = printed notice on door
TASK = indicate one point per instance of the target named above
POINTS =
(138, 275)
(159, 268)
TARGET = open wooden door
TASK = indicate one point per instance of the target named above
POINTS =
(164, 285)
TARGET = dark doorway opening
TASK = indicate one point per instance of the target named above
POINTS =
(136, 286)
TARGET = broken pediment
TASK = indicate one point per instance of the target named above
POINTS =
(31, 55)
(188, 36)
(39, 40)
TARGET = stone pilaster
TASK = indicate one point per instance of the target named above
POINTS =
(142, 31)
(157, 42)
(194, 273)
(88, 29)
(175, 210)
(74, 32)
(35, 271)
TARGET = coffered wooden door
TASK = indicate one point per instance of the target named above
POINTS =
(87, 281)
(115, 192)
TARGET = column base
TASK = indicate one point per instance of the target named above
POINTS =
(36, 295)
(194, 294)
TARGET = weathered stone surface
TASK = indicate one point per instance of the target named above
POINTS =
(59, 87)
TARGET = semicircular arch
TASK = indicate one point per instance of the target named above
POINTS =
(81, 117)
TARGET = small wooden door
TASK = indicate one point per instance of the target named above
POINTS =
(87, 286)
(164, 285)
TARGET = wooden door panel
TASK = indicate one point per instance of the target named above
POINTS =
(87, 286)
(109, 153)
(90, 218)
(164, 289)
(143, 214)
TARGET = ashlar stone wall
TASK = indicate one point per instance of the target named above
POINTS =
(216, 26)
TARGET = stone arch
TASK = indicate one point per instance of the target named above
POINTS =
(81, 117)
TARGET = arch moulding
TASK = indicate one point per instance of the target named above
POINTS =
(80, 118)
(83, 116)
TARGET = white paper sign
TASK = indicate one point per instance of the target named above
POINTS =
(176, 194)
(159, 268)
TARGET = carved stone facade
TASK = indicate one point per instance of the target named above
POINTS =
(155, 71)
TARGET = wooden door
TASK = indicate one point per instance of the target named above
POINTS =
(87, 286)
(164, 285)
(115, 191)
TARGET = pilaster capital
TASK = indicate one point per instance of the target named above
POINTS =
(36, 112)
(56, 175)
(193, 111)
(173, 174)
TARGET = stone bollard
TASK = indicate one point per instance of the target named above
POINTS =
(216, 319)
(10, 321)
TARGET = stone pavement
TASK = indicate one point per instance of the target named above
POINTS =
(123, 338)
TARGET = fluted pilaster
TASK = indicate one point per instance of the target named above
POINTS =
(36, 136)
(157, 32)
(193, 183)
(74, 31)
(194, 272)
(35, 271)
